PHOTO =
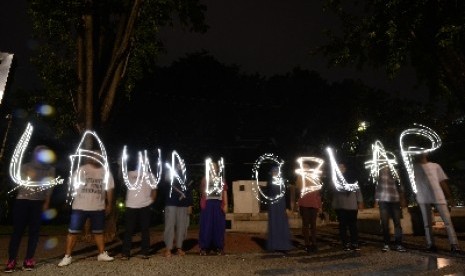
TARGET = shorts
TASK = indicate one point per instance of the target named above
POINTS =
(79, 217)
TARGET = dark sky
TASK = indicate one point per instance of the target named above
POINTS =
(271, 37)
(261, 36)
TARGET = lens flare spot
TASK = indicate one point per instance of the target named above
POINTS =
(50, 214)
(45, 110)
(46, 156)
(51, 243)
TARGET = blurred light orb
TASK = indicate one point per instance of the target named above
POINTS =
(46, 156)
(49, 214)
(51, 243)
(45, 110)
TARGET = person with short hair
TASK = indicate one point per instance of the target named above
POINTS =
(346, 205)
(93, 200)
(390, 199)
(138, 211)
(432, 190)
(309, 206)
(178, 207)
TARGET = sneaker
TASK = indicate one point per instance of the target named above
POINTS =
(354, 247)
(29, 264)
(431, 249)
(145, 256)
(347, 247)
(400, 248)
(104, 257)
(65, 261)
(203, 252)
(10, 266)
(385, 248)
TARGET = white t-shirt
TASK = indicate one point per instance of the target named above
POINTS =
(90, 195)
(138, 198)
(427, 178)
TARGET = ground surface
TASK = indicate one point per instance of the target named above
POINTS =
(246, 255)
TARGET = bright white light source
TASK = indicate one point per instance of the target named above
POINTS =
(5, 65)
(213, 177)
(407, 151)
(381, 159)
(177, 170)
(77, 177)
(310, 175)
(337, 178)
(276, 180)
(144, 171)
(17, 160)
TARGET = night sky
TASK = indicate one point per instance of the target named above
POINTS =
(261, 36)
(272, 37)
(267, 37)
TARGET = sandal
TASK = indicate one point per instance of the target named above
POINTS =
(180, 252)
(167, 253)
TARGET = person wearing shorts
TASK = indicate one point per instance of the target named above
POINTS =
(92, 200)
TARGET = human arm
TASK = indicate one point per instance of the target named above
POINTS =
(225, 202)
(46, 204)
(447, 192)
(360, 203)
(109, 201)
(153, 194)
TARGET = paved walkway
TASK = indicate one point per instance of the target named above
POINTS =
(246, 256)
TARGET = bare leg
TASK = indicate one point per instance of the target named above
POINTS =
(70, 243)
(99, 242)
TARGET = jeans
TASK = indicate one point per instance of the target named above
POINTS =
(309, 216)
(133, 217)
(445, 216)
(347, 221)
(26, 213)
(388, 210)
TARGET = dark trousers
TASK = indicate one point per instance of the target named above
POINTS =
(132, 218)
(388, 210)
(347, 221)
(309, 216)
(212, 226)
(26, 213)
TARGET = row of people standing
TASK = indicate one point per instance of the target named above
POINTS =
(432, 191)
(93, 200)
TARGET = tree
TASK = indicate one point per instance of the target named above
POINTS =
(426, 34)
(91, 53)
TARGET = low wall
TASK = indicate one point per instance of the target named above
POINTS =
(258, 222)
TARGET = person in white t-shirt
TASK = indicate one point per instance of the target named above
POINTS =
(432, 189)
(93, 200)
(138, 202)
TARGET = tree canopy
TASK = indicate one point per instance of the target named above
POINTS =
(91, 53)
(426, 34)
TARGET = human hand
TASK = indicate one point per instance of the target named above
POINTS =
(108, 210)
